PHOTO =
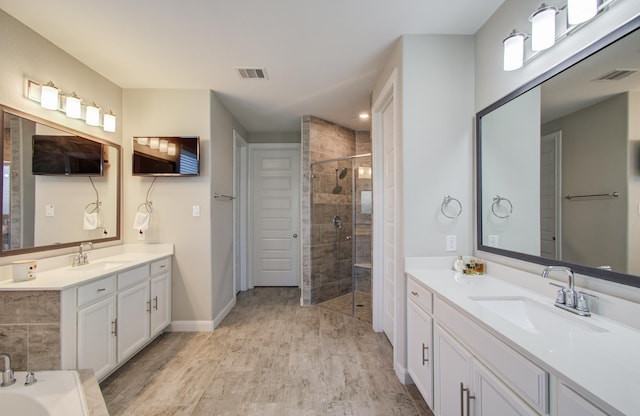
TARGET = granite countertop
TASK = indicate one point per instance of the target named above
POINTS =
(604, 364)
(92, 393)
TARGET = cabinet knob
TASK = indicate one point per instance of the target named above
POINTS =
(415, 294)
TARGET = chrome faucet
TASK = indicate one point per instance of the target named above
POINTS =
(7, 373)
(567, 298)
(81, 258)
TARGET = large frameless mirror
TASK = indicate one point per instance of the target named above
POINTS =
(59, 186)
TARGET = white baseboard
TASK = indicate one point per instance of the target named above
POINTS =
(403, 375)
(218, 319)
(191, 326)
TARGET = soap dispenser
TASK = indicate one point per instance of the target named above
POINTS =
(458, 265)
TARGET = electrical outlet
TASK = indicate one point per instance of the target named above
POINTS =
(452, 243)
(195, 211)
(49, 210)
(493, 241)
(141, 235)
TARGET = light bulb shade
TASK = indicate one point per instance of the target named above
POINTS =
(543, 28)
(513, 51)
(164, 146)
(171, 149)
(143, 141)
(49, 97)
(154, 142)
(109, 122)
(73, 106)
(92, 115)
(579, 11)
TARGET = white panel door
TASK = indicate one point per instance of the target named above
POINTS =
(419, 349)
(160, 303)
(452, 363)
(550, 190)
(389, 231)
(134, 308)
(275, 214)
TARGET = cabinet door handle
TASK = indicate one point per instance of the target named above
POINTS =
(114, 327)
(464, 390)
(149, 306)
(425, 358)
(102, 289)
(155, 303)
(415, 294)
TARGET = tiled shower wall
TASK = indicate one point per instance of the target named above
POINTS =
(326, 252)
(30, 329)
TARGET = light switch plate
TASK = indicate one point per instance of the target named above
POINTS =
(452, 243)
(196, 210)
(49, 210)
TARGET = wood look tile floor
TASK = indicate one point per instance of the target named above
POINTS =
(269, 356)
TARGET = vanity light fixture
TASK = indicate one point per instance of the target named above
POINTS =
(49, 96)
(363, 116)
(73, 106)
(171, 149)
(154, 143)
(579, 11)
(543, 27)
(164, 146)
(575, 14)
(364, 172)
(143, 141)
(514, 50)
(92, 115)
(109, 122)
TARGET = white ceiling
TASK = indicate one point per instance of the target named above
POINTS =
(322, 56)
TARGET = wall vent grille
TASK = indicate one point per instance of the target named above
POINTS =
(616, 75)
(252, 73)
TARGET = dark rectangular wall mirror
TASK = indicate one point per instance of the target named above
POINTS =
(71, 195)
(558, 164)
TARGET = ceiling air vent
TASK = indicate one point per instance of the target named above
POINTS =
(252, 73)
(616, 75)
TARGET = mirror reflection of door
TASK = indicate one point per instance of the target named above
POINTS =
(550, 194)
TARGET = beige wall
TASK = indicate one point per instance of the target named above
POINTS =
(27, 55)
(634, 183)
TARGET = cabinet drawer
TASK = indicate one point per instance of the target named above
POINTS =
(96, 290)
(160, 266)
(133, 276)
(526, 378)
(421, 296)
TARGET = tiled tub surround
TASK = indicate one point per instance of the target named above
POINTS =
(31, 311)
(30, 329)
(602, 367)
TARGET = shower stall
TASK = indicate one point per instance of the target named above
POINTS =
(341, 213)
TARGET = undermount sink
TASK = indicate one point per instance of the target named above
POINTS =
(99, 266)
(535, 317)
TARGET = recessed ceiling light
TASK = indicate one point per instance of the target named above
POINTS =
(363, 116)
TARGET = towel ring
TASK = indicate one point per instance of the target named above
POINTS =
(445, 203)
(496, 201)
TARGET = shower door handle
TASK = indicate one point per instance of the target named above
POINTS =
(295, 235)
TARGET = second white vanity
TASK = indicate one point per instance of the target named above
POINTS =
(109, 308)
(480, 345)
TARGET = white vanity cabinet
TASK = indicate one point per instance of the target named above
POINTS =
(571, 403)
(473, 372)
(114, 317)
(160, 295)
(96, 320)
(419, 340)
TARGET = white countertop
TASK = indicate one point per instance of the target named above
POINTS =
(603, 366)
(57, 273)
